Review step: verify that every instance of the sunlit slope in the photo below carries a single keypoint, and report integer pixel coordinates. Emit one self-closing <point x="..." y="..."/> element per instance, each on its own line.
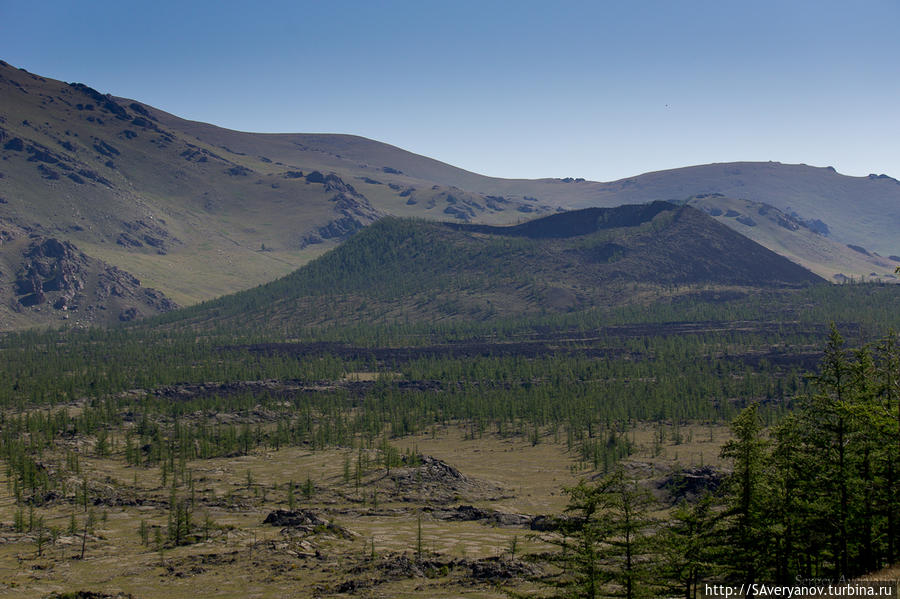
<point x="861" y="211"/>
<point x="802" y="241"/>
<point x="191" y="217"/>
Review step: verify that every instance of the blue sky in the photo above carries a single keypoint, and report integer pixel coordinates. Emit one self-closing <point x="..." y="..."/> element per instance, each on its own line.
<point x="601" y="90"/>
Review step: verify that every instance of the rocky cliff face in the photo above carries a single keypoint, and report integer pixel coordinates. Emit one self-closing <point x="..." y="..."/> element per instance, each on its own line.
<point x="51" y="269"/>
<point x="352" y="210"/>
<point x="44" y="279"/>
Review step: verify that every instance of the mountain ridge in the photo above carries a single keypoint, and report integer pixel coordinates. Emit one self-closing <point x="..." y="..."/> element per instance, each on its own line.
<point x="197" y="211"/>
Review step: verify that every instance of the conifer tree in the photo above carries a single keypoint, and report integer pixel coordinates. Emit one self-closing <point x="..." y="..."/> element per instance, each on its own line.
<point x="603" y="540"/>
<point x="746" y="526"/>
<point x="687" y="546"/>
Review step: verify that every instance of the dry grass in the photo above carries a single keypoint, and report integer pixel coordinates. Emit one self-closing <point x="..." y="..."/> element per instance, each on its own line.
<point x="246" y="558"/>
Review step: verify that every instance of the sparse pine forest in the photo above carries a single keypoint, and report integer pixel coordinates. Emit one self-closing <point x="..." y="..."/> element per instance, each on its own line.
<point x="806" y="486"/>
<point x="810" y="499"/>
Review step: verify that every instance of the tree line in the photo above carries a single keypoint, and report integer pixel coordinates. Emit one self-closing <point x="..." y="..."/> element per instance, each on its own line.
<point x="809" y="499"/>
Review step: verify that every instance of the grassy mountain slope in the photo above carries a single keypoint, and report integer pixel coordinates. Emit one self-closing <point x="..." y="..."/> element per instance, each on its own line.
<point x="799" y="240"/>
<point x="102" y="175"/>
<point x="405" y="270"/>
<point x="857" y="210"/>
<point x="198" y="211"/>
<point x="191" y="218"/>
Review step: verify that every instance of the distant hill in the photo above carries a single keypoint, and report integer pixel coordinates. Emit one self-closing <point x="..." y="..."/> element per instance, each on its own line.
<point x="191" y="217"/>
<point x="414" y="271"/>
<point x="196" y="211"/>
<point x="803" y="241"/>
<point x="862" y="211"/>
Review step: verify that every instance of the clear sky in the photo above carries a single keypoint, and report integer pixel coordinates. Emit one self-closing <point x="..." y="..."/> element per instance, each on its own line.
<point x="601" y="90"/>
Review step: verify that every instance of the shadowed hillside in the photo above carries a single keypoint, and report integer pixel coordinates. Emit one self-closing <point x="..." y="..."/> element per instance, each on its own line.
<point x="575" y="223"/>
<point x="403" y="270"/>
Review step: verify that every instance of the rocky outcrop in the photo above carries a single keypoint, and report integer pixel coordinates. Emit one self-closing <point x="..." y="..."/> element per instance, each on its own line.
<point x="690" y="483"/>
<point x="305" y="522"/>
<point x="469" y="513"/>
<point x="353" y="211"/>
<point x="374" y="572"/>
<point x="53" y="274"/>
<point x="140" y="234"/>
<point x="422" y="476"/>
<point x="50" y="266"/>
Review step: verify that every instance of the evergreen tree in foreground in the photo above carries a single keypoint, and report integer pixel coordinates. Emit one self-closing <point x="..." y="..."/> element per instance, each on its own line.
<point x="604" y="541"/>
<point x="814" y="497"/>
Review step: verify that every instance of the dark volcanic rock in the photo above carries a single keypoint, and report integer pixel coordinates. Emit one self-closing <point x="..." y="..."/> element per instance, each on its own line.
<point x="396" y="566"/>
<point x="106" y="149"/>
<point x="460" y="212"/>
<point x="817" y="226"/>
<point x="15" y="144"/>
<point x="126" y="240"/>
<point x="305" y="522"/>
<point x="334" y="183"/>
<point x="689" y="484"/>
<point x="55" y="272"/>
<point x="430" y="479"/>
<point x="340" y="227"/>
<point x="41" y="155"/>
<point x="238" y="171"/>
<point x="544" y="523"/>
<point x="89" y="174"/>
<point x="140" y="109"/>
<point x="788" y="223"/>
<point x="48" y="173"/>
<point x="315" y="177"/>
<point x="89" y="595"/>
<point x="294" y="518"/>
<point x="147" y="232"/>
<point x="354" y="212"/>
<point x="143" y="123"/>
<point x="50" y="266"/>
<point x="468" y="513"/>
